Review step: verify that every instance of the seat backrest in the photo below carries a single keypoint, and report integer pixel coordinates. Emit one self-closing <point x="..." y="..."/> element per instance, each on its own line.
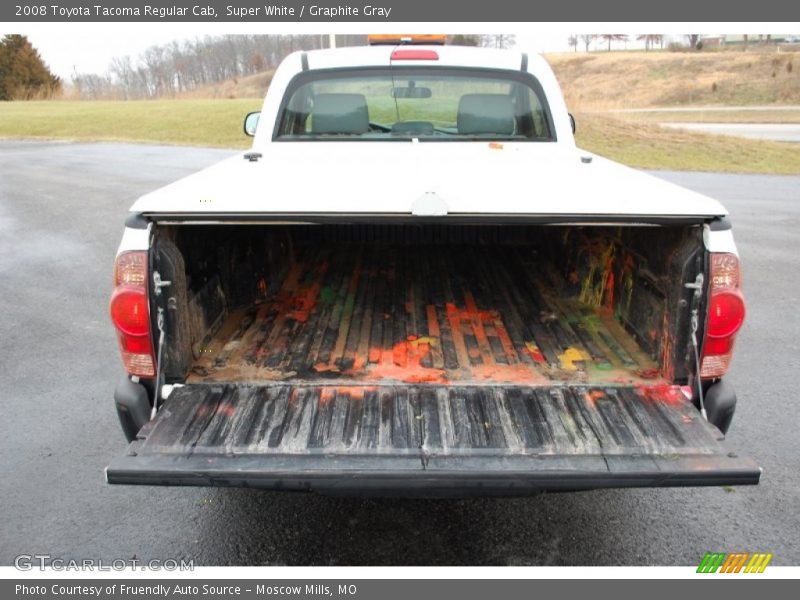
<point x="413" y="127"/>
<point x="340" y="113"/>
<point x="485" y="113"/>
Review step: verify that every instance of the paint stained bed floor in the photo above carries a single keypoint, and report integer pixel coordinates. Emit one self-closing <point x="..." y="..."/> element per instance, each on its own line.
<point x="369" y="313"/>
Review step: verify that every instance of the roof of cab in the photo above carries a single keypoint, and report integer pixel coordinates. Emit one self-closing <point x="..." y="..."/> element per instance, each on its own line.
<point x="449" y="56"/>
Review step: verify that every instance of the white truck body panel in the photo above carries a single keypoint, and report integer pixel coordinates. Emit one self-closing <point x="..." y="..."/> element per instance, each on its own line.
<point x="391" y="177"/>
<point x="387" y="178"/>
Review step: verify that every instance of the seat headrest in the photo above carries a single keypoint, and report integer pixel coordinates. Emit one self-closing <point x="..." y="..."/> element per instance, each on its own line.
<point x="485" y="113"/>
<point x="340" y="113"/>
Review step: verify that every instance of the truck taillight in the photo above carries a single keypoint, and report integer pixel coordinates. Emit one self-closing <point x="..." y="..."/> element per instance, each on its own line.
<point x="726" y="311"/>
<point x="131" y="315"/>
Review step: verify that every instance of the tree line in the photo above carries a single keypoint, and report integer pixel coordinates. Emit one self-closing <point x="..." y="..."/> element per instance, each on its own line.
<point x="650" y="40"/>
<point x="171" y="69"/>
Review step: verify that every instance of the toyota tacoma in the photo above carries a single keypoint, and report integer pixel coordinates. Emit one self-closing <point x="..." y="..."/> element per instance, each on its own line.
<point x="414" y="283"/>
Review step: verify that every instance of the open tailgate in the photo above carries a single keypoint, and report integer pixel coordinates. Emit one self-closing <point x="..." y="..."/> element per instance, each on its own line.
<point x="429" y="439"/>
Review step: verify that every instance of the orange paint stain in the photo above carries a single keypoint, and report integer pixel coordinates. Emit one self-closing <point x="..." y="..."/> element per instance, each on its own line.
<point x="375" y="354"/>
<point x="404" y="362"/>
<point x="354" y="392"/>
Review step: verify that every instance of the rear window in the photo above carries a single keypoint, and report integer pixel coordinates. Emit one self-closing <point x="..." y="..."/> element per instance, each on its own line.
<point x="421" y="103"/>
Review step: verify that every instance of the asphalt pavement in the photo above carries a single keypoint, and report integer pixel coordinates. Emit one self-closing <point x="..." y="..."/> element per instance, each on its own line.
<point x="62" y="208"/>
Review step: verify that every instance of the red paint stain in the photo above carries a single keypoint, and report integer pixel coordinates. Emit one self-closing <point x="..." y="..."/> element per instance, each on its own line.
<point x="226" y="410"/>
<point x="534" y="352"/>
<point x="609" y="299"/>
<point x="661" y="392"/>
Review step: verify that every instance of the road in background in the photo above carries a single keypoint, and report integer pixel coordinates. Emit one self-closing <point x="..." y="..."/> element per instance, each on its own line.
<point x="778" y="108"/>
<point x="777" y="132"/>
<point x="62" y="208"/>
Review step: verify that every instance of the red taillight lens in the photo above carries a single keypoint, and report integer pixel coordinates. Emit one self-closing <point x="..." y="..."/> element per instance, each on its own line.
<point x="131" y="315"/>
<point x="726" y="312"/>
<point x="129" y="310"/>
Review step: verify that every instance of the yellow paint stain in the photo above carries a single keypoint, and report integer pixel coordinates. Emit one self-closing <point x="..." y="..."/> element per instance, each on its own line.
<point x="431" y="341"/>
<point x="570" y="356"/>
<point x="601" y="265"/>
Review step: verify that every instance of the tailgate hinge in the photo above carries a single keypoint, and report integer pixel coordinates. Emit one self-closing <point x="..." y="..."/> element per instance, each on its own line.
<point x="697" y="286"/>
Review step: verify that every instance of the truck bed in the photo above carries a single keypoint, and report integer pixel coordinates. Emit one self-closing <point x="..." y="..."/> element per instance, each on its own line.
<point x="428" y="361"/>
<point x="421" y="314"/>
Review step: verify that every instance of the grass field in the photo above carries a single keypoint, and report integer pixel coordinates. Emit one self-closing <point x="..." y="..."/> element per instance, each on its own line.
<point x="647" y="145"/>
<point x="187" y="122"/>
<point x="206" y="122"/>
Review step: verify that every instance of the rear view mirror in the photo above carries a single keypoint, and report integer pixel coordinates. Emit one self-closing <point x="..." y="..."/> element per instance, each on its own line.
<point x="412" y="91"/>
<point x="251" y="123"/>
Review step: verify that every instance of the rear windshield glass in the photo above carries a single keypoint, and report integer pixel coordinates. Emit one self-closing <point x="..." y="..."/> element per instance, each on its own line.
<point x="427" y="104"/>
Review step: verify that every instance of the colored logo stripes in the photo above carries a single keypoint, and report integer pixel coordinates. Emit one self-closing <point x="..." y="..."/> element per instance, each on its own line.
<point x="738" y="562"/>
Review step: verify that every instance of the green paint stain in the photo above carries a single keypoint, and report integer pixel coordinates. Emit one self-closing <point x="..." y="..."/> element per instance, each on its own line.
<point x="327" y="294"/>
<point x="350" y="302"/>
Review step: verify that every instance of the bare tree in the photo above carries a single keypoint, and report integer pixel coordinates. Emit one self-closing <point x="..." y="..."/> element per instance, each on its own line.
<point x="614" y="37"/>
<point x="693" y="39"/>
<point x="499" y="40"/>
<point x="587" y="39"/>
<point x="650" y="40"/>
<point x="573" y="42"/>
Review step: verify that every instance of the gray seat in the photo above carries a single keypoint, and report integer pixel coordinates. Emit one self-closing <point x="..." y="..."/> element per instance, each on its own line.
<point x="485" y="113"/>
<point x="340" y="113"/>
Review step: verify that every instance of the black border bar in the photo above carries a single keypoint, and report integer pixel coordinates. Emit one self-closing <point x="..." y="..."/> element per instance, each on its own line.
<point x="388" y="11"/>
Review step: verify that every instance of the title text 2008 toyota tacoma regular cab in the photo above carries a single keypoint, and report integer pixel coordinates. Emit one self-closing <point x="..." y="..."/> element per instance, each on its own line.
<point x="415" y="283"/>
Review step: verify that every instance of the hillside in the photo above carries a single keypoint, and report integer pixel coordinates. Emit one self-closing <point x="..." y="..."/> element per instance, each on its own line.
<point x="251" y="86"/>
<point x="603" y="80"/>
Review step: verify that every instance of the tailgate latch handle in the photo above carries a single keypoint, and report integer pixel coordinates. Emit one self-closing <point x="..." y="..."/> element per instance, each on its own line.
<point x="159" y="283"/>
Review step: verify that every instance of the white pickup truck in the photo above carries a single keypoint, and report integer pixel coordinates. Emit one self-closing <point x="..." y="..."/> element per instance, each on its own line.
<point x="415" y="283"/>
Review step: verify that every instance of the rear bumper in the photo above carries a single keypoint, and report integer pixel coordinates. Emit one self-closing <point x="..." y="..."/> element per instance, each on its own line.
<point x="429" y="440"/>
